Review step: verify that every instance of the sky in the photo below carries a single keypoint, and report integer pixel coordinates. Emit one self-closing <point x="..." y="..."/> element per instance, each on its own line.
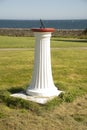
<point x="43" y="9"/>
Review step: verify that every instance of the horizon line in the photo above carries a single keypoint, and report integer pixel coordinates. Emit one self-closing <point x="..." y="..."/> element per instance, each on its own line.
<point x="46" y="19"/>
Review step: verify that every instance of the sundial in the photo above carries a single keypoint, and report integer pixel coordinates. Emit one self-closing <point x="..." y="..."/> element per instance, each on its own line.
<point x="42" y="24"/>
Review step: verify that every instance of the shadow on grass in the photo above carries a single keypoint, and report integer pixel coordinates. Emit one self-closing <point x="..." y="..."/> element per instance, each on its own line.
<point x="16" y="90"/>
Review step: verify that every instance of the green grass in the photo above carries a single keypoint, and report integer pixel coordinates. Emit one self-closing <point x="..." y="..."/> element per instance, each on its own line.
<point x="29" y="42"/>
<point x="16" y="42"/>
<point x="69" y="67"/>
<point x="68" y="42"/>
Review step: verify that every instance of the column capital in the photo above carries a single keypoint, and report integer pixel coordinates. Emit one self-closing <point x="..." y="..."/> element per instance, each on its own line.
<point x="43" y="29"/>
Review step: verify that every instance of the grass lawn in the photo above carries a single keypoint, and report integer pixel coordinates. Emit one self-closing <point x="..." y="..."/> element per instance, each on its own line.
<point x="29" y="42"/>
<point x="69" y="67"/>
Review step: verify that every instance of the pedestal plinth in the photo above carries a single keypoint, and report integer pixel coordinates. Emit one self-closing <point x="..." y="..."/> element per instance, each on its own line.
<point x="42" y="84"/>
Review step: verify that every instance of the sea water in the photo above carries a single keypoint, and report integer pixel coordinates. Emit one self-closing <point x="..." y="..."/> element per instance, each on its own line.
<point x="58" y="24"/>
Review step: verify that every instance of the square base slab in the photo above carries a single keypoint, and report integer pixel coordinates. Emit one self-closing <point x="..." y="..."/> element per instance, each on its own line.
<point x="40" y="100"/>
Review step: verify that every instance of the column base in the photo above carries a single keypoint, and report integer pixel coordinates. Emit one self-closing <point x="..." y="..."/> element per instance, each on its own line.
<point x="47" y="92"/>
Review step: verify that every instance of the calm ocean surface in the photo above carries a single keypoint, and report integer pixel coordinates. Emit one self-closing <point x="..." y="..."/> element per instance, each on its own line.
<point x="58" y="24"/>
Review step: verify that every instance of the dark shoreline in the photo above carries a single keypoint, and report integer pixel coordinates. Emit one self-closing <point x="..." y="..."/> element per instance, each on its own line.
<point x="28" y="33"/>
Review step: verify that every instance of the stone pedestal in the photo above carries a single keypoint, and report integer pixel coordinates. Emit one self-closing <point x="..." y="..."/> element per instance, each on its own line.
<point x="42" y="84"/>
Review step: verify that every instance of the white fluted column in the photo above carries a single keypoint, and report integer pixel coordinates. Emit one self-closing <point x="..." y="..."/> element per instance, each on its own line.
<point x="42" y="84"/>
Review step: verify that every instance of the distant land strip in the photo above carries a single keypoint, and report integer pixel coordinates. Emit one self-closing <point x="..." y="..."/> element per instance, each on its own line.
<point x="28" y="33"/>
